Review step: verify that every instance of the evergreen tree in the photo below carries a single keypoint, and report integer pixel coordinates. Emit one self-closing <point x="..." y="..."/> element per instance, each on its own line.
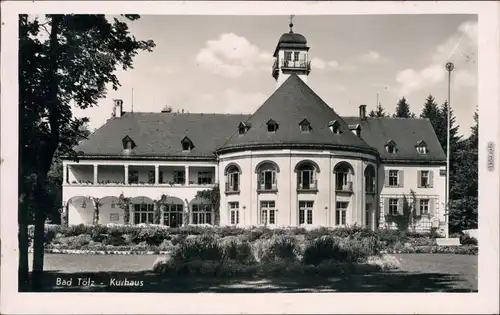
<point x="403" y="109"/>
<point x="379" y="112"/>
<point x="455" y="139"/>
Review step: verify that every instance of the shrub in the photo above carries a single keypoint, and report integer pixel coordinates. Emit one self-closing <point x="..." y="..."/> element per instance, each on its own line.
<point x="465" y="239"/>
<point x="282" y="247"/>
<point x="335" y="248"/>
<point x="237" y="250"/>
<point x="204" y="247"/>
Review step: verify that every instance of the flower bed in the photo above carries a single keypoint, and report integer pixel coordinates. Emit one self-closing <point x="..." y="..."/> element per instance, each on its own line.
<point x="156" y="238"/>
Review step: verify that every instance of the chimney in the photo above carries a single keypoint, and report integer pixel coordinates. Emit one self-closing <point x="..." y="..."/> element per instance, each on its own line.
<point x="117" y="108"/>
<point x="166" y="109"/>
<point x="362" y="112"/>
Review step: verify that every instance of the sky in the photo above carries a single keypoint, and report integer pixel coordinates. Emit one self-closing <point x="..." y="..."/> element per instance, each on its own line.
<point x="222" y="64"/>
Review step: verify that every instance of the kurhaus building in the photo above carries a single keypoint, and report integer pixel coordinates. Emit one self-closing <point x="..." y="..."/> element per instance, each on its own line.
<point x="294" y="162"/>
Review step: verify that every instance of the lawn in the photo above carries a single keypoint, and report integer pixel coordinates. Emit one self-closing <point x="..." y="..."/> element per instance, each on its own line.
<point x="418" y="273"/>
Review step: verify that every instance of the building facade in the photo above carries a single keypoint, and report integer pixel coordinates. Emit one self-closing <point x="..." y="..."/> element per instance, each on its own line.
<point x="294" y="162"/>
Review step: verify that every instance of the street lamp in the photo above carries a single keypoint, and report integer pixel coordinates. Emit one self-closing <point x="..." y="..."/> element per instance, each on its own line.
<point x="449" y="67"/>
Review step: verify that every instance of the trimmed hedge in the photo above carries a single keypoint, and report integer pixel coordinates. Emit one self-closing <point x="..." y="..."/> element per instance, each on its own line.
<point x="161" y="238"/>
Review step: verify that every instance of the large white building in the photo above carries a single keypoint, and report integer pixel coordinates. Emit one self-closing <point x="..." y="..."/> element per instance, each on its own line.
<point x="294" y="162"/>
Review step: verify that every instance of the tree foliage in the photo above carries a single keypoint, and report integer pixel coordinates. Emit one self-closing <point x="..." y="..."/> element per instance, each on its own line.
<point x="403" y="109"/>
<point x="379" y="112"/>
<point x="64" y="61"/>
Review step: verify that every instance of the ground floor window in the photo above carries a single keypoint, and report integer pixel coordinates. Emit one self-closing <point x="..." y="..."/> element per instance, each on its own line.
<point x="341" y="212"/>
<point x="234" y="212"/>
<point x="424" y="206"/>
<point x="202" y="214"/>
<point x="172" y="215"/>
<point x="143" y="213"/>
<point x="393" y="206"/>
<point x="267" y="212"/>
<point x="306" y="212"/>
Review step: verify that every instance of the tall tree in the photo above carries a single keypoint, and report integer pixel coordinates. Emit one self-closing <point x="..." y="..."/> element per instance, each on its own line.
<point x="74" y="63"/>
<point x="463" y="208"/>
<point x="379" y="112"/>
<point x="403" y="109"/>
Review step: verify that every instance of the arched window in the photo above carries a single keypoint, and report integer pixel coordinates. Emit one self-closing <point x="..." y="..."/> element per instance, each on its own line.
<point x="370" y="179"/>
<point x="267" y="176"/>
<point x="232" y="173"/>
<point x="343" y="177"/>
<point x="306" y="175"/>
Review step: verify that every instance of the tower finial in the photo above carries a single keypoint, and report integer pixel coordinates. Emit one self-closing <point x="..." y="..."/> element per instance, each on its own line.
<point x="291" y="23"/>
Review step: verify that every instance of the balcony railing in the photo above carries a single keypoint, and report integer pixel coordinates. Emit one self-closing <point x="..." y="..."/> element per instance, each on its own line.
<point x="266" y="188"/>
<point x="289" y="64"/>
<point x="345" y="187"/>
<point x="232" y="189"/>
<point x="312" y="186"/>
<point x="139" y="183"/>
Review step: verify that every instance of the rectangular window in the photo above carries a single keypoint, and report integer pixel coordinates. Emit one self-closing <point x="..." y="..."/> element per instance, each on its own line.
<point x="202" y="214"/>
<point x="369" y="183"/>
<point x="341" y="181"/>
<point x="204" y="178"/>
<point x="306" y="179"/>
<point x="341" y="212"/>
<point x="424" y="178"/>
<point x="179" y="177"/>
<point x="268" y="180"/>
<point x="296" y="56"/>
<point x="288" y="56"/>
<point x="267" y="212"/>
<point x="143" y="213"/>
<point x="306" y="212"/>
<point x="151" y="177"/>
<point x="234" y="212"/>
<point x="424" y="206"/>
<point x="133" y="177"/>
<point x="393" y="177"/>
<point x="393" y="206"/>
<point x="233" y="182"/>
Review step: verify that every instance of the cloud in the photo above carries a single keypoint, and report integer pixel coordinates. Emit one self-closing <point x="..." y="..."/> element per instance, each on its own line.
<point x="232" y="55"/>
<point x="330" y="65"/>
<point x="460" y="49"/>
<point x="370" y="57"/>
<point x="228" y="101"/>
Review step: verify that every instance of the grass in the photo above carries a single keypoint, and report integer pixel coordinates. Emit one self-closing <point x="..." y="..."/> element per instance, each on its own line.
<point x="418" y="273"/>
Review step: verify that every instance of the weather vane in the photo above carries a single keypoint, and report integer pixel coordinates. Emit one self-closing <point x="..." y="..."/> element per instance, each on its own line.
<point x="291" y="23"/>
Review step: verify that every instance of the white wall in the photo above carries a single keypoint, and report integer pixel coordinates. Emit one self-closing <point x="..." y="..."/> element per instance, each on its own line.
<point x="287" y="198"/>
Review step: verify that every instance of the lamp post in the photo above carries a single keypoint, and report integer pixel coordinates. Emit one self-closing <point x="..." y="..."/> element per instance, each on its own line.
<point x="449" y="67"/>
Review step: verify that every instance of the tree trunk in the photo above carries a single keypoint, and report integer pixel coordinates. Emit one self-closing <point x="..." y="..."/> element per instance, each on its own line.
<point x="38" y="249"/>
<point x="23" y="271"/>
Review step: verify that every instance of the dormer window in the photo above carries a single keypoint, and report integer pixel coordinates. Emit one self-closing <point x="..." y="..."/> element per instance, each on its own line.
<point x="356" y="129"/>
<point x="128" y="143"/>
<point x="334" y="127"/>
<point x="187" y="144"/>
<point x="242" y="128"/>
<point x="272" y="125"/>
<point x="305" y="126"/>
<point x="421" y="147"/>
<point x="391" y="147"/>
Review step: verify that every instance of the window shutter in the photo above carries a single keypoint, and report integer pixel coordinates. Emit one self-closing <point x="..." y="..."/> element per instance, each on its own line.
<point x="431" y="207"/>
<point x="419" y="179"/>
<point x="386" y="206"/>
<point x="386" y="179"/>
<point x="299" y="179"/>
<point x="274" y="177"/>
<point x="401" y="205"/>
<point x="417" y="206"/>
<point x="401" y="178"/>
<point x="431" y="179"/>
<point x="261" y="180"/>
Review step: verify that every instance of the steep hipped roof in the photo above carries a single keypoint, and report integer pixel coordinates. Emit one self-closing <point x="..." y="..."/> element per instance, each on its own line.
<point x="291" y="40"/>
<point x="405" y="133"/>
<point x="288" y="106"/>
<point x="161" y="135"/>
